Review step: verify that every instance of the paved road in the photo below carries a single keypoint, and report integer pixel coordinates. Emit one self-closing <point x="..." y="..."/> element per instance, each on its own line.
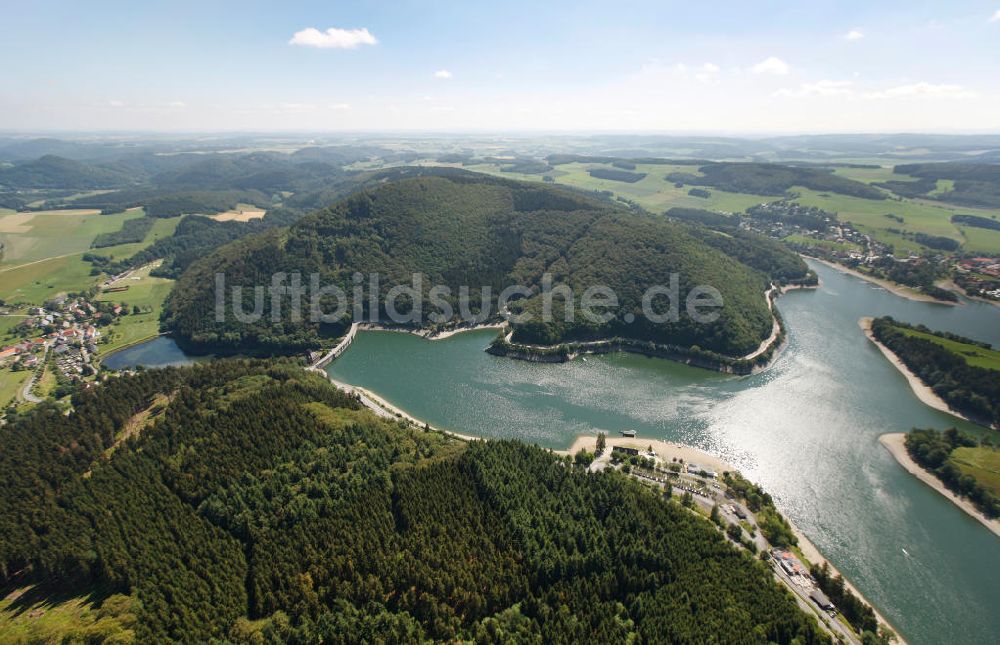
<point x="26" y="393"/>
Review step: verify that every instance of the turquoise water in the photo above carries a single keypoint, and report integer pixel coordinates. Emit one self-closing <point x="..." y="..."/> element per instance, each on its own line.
<point x="806" y="429"/>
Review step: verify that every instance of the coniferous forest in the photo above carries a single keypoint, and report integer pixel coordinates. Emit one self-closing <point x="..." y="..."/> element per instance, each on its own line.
<point x="250" y="500"/>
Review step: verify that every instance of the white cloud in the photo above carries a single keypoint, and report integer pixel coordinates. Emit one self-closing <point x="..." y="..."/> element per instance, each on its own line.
<point x="443" y="73"/>
<point x="922" y="89"/>
<point x="819" y="88"/>
<point x="772" y="65"/>
<point x="178" y="104"/>
<point x="996" y="16"/>
<point x="706" y="73"/>
<point x="340" y="106"/>
<point x="333" y="38"/>
<point x="115" y="103"/>
<point x="854" y="34"/>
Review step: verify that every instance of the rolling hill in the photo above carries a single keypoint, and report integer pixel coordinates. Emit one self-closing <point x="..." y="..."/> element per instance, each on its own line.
<point x="457" y="228"/>
<point x="250" y="501"/>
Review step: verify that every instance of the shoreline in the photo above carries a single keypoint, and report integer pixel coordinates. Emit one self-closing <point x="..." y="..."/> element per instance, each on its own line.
<point x="894" y="442"/>
<point x="897" y="289"/>
<point x="813" y="555"/>
<point x="919" y="388"/>
<point x="663" y="449"/>
<point x="745" y="365"/>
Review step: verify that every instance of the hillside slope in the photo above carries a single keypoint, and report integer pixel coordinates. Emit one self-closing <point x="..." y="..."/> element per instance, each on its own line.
<point x="484" y="233"/>
<point x="254" y="500"/>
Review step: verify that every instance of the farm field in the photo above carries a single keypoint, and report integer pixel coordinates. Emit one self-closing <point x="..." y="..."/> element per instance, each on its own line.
<point x="973" y="354"/>
<point x="980" y="240"/>
<point x="982" y="462"/>
<point x="919" y="216"/>
<point x="242" y="213"/>
<point x="28" y="236"/>
<point x="653" y="192"/>
<point x="34" y="282"/>
<point x="871" y="175"/>
<point x="10" y="383"/>
<point x="656" y="194"/>
<point x="147" y="293"/>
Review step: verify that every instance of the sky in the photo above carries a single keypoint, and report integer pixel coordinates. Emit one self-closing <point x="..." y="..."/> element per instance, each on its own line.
<point x="759" y="67"/>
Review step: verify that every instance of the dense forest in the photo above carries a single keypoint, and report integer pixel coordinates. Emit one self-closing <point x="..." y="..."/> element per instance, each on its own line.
<point x="974" y="184"/>
<point x="460" y="229"/>
<point x="614" y="174"/>
<point x="977" y="221"/>
<point x="773" y="179"/>
<point x="132" y="230"/>
<point x="932" y="450"/>
<point x="973" y="391"/>
<point x="248" y="500"/>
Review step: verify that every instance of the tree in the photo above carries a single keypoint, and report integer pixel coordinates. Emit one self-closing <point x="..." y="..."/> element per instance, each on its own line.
<point x="602" y="440"/>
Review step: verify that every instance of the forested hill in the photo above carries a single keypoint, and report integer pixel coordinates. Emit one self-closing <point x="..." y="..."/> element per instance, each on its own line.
<point x="467" y="229"/>
<point x="253" y="502"/>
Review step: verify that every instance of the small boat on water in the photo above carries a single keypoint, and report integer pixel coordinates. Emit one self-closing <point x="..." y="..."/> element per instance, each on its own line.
<point x="905" y="552"/>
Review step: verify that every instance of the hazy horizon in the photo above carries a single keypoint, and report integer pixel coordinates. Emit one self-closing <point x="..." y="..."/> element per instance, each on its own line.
<point x="641" y="67"/>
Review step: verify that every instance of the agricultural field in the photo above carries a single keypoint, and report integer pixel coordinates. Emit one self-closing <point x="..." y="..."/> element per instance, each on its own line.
<point x="37" y="280"/>
<point x="919" y="216"/>
<point x="871" y="175"/>
<point x="242" y="213"/>
<point x="31" y="236"/>
<point x="656" y="194"/>
<point x="974" y="355"/>
<point x="653" y="192"/>
<point x="10" y="383"/>
<point x="145" y="292"/>
<point x="982" y="462"/>
<point x="980" y="240"/>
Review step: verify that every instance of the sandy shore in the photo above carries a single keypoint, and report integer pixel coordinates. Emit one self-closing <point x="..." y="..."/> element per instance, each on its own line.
<point x="895" y="444"/>
<point x="898" y="289"/>
<point x="663" y="449"/>
<point x="923" y="392"/>
<point x="813" y="555"/>
<point x="797" y="287"/>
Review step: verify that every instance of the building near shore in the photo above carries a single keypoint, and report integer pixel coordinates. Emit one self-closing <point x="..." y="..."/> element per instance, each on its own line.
<point x="821" y="600"/>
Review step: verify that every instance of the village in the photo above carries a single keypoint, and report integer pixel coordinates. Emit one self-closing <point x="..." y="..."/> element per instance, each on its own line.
<point x="68" y="328"/>
<point x="818" y="233"/>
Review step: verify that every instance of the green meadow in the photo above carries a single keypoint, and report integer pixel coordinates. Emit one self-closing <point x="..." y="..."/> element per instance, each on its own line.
<point x="47" y="234"/>
<point x="10" y="383"/>
<point x="37" y="280"/>
<point x="981" y="462"/>
<point x="653" y="192"/>
<point x="656" y="194"/>
<point x="147" y="293"/>
<point x="973" y="354"/>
